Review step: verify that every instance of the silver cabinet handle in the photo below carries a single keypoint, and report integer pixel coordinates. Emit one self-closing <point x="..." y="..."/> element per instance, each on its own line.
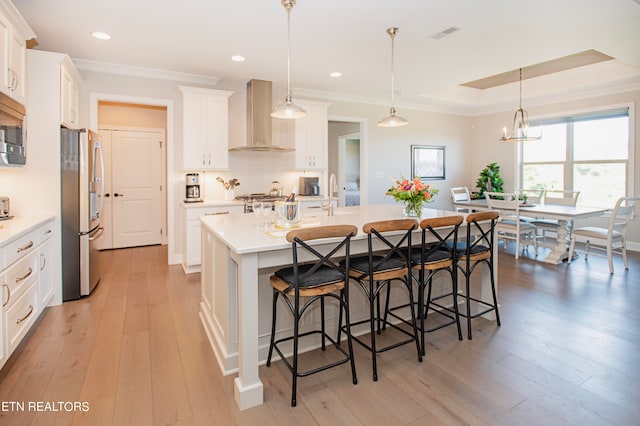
<point x="215" y="214"/>
<point x="43" y="261"/>
<point x="18" y="321"/>
<point x="25" y="276"/>
<point x="47" y="232"/>
<point x="26" y="246"/>
<point x="8" y="294"/>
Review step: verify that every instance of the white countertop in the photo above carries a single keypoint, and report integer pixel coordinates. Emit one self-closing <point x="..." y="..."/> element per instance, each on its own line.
<point x="241" y="233"/>
<point x="13" y="229"/>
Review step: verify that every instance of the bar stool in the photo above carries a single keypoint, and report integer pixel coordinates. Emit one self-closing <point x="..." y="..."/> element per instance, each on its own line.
<point x="316" y="279"/>
<point x="435" y="254"/>
<point x="476" y="250"/>
<point x="378" y="270"/>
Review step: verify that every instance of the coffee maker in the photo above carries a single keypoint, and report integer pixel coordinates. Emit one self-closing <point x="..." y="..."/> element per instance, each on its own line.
<point x="193" y="188"/>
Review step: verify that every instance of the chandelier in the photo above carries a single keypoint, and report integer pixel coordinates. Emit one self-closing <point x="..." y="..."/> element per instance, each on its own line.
<point x="520" y="128"/>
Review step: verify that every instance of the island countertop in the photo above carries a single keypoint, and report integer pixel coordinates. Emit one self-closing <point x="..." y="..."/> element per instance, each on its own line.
<point x="242" y="235"/>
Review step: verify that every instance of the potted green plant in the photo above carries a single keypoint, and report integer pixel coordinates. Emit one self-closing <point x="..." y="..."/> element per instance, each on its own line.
<point x="489" y="180"/>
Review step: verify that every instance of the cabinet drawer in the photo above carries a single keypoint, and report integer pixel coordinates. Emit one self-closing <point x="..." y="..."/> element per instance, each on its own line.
<point x="21" y="247"/>
<point x="44" y="232"/>
<point x="20" y="316"/>
<point x="19" y="276"/>
<point x="194" y="214"/>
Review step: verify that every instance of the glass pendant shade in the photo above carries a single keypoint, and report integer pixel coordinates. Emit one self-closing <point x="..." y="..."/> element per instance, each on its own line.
<point x="520" y="128"/>
<point x="287" y="109"/>
<point x="392" y="120"/>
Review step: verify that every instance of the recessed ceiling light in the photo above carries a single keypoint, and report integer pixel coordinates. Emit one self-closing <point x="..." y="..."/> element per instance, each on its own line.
<point x="335" y="74"/>
<point x="238" y="58"/>
<point x="100" y="35"/>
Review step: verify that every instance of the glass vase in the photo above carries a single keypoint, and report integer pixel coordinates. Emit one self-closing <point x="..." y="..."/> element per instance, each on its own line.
<point x="413" y="208"/>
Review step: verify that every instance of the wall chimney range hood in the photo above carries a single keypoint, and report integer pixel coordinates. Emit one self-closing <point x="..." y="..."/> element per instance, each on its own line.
<point x="259" y="119"/>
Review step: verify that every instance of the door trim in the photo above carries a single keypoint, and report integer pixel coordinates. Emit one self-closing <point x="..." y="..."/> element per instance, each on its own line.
<point x="94" y="99"/>
<point x="364" y="150"/>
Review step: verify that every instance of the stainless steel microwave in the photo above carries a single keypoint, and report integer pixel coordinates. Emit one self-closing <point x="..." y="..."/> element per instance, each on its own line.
<point x="13" y="149"/>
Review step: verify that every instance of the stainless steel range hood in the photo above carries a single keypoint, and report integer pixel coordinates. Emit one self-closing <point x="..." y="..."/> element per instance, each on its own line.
<point x="259" y="119"/>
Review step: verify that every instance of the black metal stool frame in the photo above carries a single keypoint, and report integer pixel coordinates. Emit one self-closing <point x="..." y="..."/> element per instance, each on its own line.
<point x="375" y="285"/>
<point x="433" y="257"/>
<point x="297" y="311"/>
<point x="477" y="251"/>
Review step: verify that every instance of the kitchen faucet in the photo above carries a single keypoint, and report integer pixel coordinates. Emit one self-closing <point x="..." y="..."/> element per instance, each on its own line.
<point x="333" y="187"/>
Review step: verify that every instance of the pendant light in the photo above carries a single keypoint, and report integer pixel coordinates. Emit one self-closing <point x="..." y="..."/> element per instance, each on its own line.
<point x="520" y="129"/>
<point x="392" y="120"/>
<point x="286" y="108"/>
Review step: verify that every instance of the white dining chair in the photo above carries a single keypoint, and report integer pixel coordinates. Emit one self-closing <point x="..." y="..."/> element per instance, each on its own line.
<point x="460" y="194"/>
<point x="510" y="226"/>
<point x="611" y="239"/>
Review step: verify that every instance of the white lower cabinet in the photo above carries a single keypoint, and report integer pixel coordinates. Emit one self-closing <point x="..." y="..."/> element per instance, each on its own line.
<point x="21" y="316"/>
<point x="315" y="206"/>
<point x="3" y="349"/>
<point x="191" y="253"/>
<point x="28" y="282"/>
<point x="46" y="272"/>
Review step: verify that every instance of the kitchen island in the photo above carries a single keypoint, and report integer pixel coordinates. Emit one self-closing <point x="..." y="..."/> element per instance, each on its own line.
<point x="237" y="258"/>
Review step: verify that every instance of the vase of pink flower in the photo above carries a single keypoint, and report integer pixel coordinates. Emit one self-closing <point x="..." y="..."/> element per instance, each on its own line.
<point x="413" y="193"/>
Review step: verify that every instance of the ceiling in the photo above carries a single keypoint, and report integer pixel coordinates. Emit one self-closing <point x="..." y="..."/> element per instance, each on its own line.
<point x="495" y="36"/>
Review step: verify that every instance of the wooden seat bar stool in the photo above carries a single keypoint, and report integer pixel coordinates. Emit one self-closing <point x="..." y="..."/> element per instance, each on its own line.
<point x="477" y="250"/>
<point x="386" y="263"/>
<point x="316" y="279"/>
<point x="435" y="254"/>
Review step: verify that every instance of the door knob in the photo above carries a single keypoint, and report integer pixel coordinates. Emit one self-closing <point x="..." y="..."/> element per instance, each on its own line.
<point x="115" y="194"/>
<point x="107" y="195"/>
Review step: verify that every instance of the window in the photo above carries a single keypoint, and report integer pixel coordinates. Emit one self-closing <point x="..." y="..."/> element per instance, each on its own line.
<point x="587" y="153"/>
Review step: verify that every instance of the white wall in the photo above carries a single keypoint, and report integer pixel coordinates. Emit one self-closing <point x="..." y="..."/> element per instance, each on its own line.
<point x="389" y="149"/>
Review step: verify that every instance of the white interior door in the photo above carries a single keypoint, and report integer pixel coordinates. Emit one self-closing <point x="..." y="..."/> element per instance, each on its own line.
<point x="136" y="183"/>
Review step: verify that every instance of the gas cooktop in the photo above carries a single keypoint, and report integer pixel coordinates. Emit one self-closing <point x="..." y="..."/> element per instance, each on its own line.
<point x="259" y="197"/>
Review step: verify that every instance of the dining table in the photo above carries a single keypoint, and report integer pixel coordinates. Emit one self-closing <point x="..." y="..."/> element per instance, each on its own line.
<point x="238" y="256"/>
<point x="565" y="215"/>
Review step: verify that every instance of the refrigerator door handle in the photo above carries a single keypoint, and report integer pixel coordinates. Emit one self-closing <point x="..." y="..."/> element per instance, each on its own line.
<point x="97" y="234"/>
<point x="98" y="154"/>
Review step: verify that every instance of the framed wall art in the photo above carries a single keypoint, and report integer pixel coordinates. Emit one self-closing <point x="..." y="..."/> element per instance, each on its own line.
<point x="427" y="162"/>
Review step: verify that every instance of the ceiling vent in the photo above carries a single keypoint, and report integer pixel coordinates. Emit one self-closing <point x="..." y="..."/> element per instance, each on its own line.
<point x="443" y="34"/>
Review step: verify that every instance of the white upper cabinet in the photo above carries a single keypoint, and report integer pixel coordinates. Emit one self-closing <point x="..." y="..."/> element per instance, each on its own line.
<point x="205" y="124"/>
<point x="14" y="32"/>
<point x="311" y="136"/>
<point x="69" y="99"/>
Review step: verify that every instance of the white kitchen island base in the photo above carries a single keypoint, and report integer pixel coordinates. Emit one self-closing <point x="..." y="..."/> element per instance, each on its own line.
<point x="235" y="309"/>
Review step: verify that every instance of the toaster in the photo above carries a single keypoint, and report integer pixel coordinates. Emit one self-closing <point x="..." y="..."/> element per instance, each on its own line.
<point x="4" y="208"/>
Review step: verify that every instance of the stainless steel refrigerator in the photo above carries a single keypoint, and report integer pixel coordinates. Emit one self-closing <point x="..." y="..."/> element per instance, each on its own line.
<point x="82" y="191"/>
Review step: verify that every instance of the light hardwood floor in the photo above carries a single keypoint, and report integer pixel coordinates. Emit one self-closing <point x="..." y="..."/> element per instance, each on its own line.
<point x="568" y="352"/>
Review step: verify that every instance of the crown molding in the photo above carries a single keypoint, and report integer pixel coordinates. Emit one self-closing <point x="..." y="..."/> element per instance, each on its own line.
<point x="475" y="110"/>
<point x="158" y="74"/>
<point x="563" y="97"/>
<point x="434" y="106"/>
